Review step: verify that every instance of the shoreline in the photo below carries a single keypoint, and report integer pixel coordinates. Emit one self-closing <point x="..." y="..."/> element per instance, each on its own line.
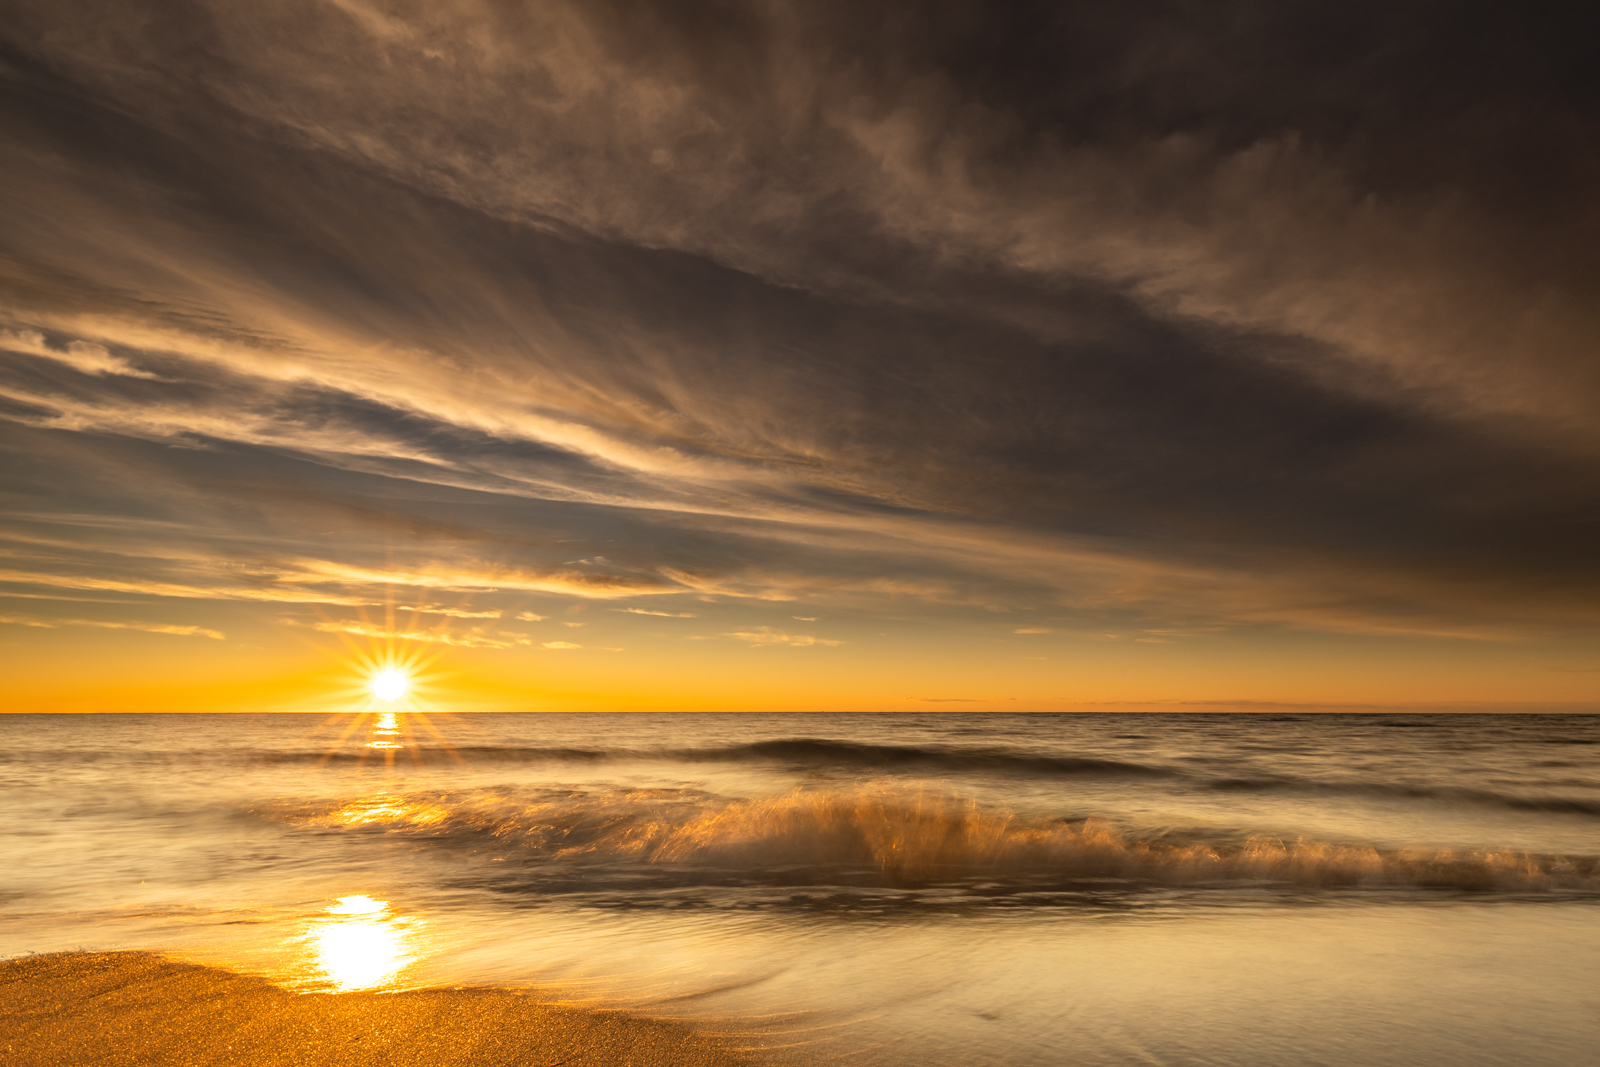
<point x="138" y="1008"/>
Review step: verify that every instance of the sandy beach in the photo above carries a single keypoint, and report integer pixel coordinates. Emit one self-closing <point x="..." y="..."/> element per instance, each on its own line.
<point x="134" y="1008"/>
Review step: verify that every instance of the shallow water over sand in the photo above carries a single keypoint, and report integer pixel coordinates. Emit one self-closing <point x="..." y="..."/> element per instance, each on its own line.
<point x="880" y="889"/>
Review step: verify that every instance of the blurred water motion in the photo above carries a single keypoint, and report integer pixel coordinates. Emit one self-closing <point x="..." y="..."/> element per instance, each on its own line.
<point x="888" y="891"/>
<point x="359" y="944"/>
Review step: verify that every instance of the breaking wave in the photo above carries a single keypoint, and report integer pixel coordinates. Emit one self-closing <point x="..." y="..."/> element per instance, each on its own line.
<point x="902" y="838"/>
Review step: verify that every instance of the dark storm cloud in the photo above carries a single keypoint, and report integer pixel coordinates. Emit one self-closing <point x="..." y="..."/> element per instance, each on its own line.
<point x="1197" y="314"/>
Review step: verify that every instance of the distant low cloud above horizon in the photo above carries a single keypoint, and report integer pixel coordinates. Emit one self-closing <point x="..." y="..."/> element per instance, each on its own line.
<point x="982" y="333"/>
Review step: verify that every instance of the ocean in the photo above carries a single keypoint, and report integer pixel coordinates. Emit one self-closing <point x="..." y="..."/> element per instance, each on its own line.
<point x="895" y="890"/>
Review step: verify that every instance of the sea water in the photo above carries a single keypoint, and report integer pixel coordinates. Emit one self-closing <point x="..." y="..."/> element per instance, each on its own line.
<point x="891" y="890"/>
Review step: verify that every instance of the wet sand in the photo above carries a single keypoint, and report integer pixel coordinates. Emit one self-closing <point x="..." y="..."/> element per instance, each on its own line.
<point x="133" y="1008"/>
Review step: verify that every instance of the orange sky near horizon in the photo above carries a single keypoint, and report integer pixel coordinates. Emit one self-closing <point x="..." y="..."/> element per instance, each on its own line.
<point x="902" y="667"/>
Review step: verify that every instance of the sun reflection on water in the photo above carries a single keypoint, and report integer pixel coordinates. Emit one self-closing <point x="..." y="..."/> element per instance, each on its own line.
<point x="358" y="943"/>
<point x="385" y="807"/>
<point x="384" y="732"/>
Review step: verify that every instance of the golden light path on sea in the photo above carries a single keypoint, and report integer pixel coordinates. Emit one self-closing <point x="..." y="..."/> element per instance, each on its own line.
<point x="359" y="942"/>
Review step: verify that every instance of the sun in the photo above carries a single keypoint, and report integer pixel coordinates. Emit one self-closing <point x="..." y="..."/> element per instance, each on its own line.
<point x="390" y="684"/>
<point x="390" y="688"/>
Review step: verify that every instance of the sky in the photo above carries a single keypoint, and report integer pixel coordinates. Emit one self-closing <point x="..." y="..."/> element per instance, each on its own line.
<point x="856" y="355"/>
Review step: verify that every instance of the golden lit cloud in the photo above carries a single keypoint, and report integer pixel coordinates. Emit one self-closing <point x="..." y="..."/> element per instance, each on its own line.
<point x="146" y="627"/>
<point x="83" y="356"/>
<point x="475" y="637"/>
<point x="765" y="635"/>
<point x="455" y="613"/>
